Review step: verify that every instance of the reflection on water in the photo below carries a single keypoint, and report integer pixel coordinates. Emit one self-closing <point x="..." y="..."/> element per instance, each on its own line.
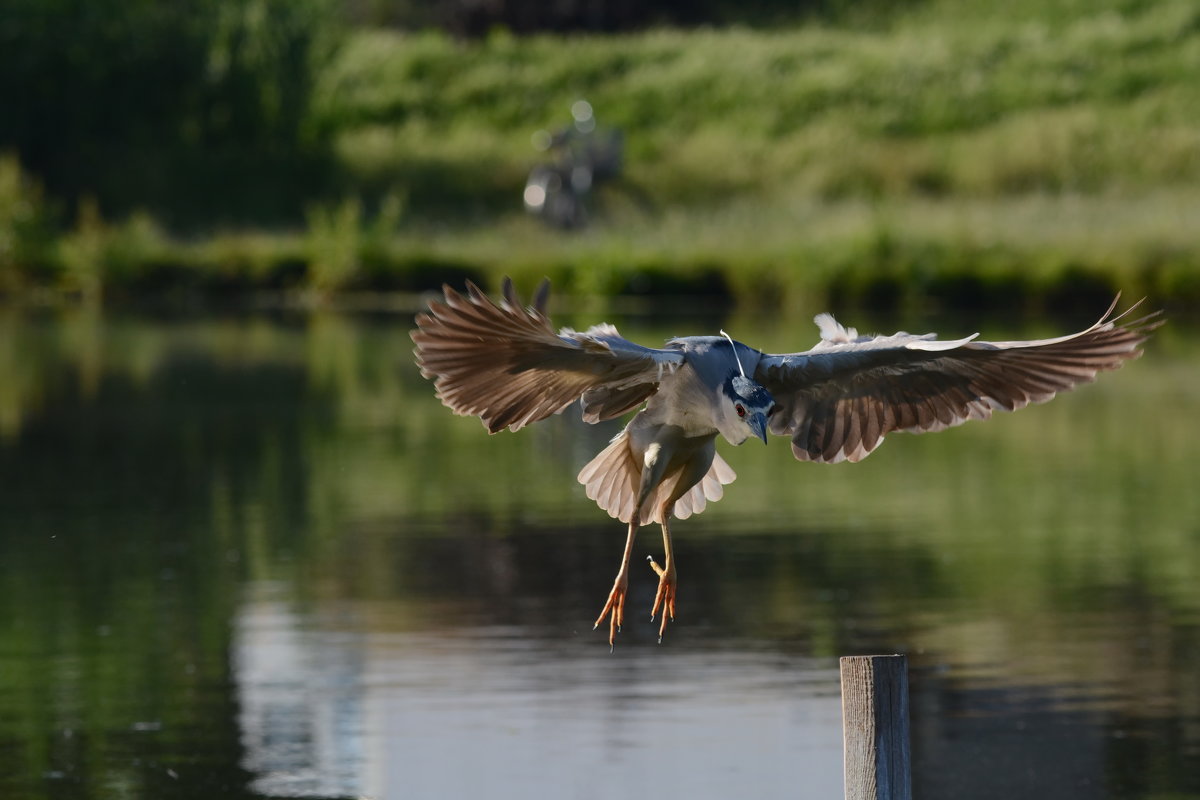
<point x="252" y="556"/>
<point x="302" y="702"/>
<point x="487" y="712"/>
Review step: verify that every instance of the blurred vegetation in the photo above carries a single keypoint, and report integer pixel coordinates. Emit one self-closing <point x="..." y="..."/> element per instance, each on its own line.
<point x="197" y="110"/>
<point x="976" y="153"/>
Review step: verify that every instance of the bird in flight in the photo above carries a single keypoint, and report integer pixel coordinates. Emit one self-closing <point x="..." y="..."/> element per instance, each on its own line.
<point x="504" y="363"/>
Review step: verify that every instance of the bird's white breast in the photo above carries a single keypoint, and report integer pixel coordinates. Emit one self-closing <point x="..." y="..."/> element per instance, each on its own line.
<point x="684" y="401"/>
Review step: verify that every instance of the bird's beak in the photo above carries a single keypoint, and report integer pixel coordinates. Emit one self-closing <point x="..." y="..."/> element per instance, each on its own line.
<point x="758" y="424"/>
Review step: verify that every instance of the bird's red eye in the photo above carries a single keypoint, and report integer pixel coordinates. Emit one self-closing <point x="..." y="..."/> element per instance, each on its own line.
<point x="741" y="410"/>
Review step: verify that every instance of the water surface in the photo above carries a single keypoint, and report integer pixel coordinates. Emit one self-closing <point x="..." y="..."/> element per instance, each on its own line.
<point x="250" y="556"/>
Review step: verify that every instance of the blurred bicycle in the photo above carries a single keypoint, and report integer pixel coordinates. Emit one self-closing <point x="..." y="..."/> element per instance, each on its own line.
<point x="583" y="157"/>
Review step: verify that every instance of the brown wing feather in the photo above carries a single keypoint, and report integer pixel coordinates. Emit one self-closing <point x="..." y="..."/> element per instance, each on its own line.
<point x="838" y="401"/>
<point x="503" y="363"/>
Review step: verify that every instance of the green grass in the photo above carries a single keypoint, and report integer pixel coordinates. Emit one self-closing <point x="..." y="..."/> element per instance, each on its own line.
<point x="948" y="101"/>
<point x="959" y="150"/>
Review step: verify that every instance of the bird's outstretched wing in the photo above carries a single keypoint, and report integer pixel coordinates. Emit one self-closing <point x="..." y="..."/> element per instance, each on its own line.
<point x="504" y="363"/>
<point x="838" y="400"/>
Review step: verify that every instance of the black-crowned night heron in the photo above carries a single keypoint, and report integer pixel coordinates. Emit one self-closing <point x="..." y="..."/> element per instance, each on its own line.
<point x="505" y="364"/>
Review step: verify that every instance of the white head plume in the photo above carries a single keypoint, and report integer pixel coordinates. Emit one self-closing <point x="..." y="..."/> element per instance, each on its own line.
<point x="735" y="353"/>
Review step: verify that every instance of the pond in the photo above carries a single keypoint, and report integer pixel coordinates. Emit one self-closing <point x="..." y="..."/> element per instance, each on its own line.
<point x="250" y="555"/>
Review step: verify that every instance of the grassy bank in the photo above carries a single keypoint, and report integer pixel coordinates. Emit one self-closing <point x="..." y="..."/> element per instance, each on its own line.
<point x="972" y="152"/>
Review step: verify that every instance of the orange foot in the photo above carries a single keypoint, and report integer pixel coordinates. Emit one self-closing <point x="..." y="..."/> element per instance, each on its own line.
<point x="665" y="598"/>
<point x="614" y="608"/>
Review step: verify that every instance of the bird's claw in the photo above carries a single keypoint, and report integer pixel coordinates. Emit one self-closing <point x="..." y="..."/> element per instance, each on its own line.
<point x="614" y="610"/>
<point x="665" y="597"/>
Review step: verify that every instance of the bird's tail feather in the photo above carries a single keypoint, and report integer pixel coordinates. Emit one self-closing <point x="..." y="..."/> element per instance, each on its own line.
<point x="711" y="487"/>
<point x="612" y="479"/>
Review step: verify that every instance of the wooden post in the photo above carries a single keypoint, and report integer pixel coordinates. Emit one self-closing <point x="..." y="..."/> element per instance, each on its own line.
<point x="875" y="727"/>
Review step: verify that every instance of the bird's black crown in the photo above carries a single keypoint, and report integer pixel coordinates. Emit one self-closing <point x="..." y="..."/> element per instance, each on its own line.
<point x="755" y="395"/>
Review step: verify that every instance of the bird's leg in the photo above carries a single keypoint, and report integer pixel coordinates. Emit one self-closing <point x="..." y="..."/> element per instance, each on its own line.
<point x="665" y="597"/>
<point x="614" y="608"/>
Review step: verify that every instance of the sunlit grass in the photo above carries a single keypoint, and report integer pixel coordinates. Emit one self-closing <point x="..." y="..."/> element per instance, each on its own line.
<point x="967" y="138"/>
<point x="955" y="144"/>
<point x="1070" y="101"/>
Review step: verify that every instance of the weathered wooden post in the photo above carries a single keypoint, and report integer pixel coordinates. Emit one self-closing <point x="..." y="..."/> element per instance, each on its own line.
<point x="875" y="727"/>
